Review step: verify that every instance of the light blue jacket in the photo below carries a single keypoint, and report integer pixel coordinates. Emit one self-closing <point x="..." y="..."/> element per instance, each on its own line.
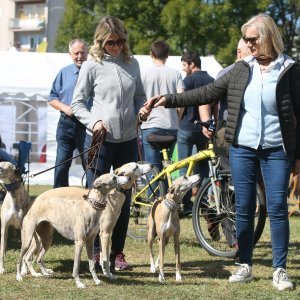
<point x="117" y="93"/>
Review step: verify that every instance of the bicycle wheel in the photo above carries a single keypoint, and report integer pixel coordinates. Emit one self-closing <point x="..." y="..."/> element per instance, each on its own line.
<point x="143" y="195"/>
<point x="217" y="233"/>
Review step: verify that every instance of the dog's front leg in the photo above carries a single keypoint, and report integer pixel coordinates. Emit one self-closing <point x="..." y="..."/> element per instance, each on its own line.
<point x="78" y="250"/>
<point x="162" y="247"/>
<point x="89" y="251"/>
<point x="4" y="231"/>
<point x="177" y="256"/>
<point x="150" y="244"/>
<point x="105" y="238"/>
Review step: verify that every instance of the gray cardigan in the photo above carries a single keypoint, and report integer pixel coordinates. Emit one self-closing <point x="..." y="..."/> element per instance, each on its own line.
<point x="117" y="95"/>
<point x="232" y="86"/>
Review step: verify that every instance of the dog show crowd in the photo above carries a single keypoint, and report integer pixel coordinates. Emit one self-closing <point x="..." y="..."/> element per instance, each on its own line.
<point x="102" y="96"/>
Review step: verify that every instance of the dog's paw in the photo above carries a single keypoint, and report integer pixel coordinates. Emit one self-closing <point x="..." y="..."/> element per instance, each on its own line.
<point x="97" y="281"/>
<point x="161" y="277"/>
<point x="37" y="274"/>
<point x="19" y="277"/>
<point x="49" y="271"/>
<point x="24" y="272"/>
<point x="80" y="285"/>
<point x="178" y="277"/>
<point x="152" y="269"/>
<point x="2" y="271"/>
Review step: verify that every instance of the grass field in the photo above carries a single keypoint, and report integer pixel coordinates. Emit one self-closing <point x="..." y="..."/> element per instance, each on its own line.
<point x="204" y="276"/>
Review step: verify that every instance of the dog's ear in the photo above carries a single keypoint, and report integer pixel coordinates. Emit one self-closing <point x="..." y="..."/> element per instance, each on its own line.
<point x="119" y="172"/>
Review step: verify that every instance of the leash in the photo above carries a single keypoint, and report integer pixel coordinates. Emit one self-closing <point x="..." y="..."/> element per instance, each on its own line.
<point x="95" y="143"/>
<point x="98" y="138"/>
<point x="139" y="145"/>
<point x="139" y="142"/>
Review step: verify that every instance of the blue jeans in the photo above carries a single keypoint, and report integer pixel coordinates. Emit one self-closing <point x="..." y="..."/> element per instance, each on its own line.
<point x="152" y="155"/>
<point x="70" y="135"/>
<point x="185" y="141"/>
<point x="113" y="155"/>
<point x="275" y="168"/>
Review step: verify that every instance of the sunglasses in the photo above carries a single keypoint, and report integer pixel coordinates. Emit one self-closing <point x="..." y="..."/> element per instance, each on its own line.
<point x="251" y="40"/>
<point x="111" y="43"/>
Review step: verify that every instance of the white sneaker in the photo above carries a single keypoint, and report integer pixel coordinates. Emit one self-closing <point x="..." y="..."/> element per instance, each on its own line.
<point x="242" y="274"/>
<point x="281" y="280"/>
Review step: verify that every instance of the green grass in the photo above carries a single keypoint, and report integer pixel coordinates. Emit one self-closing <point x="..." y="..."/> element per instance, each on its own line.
<point x="204" y="276"/>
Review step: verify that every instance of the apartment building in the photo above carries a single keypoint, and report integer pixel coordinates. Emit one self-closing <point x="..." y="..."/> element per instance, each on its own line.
<point x="29" y="25"/>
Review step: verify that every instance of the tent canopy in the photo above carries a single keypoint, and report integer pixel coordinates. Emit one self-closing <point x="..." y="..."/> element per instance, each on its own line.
<point x="29" y="75"/>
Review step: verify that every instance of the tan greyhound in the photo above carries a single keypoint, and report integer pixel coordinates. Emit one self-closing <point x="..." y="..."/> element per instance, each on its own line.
<point x="15" y="205"/>
<point x="74" y="214"/>
<point x="163" y="221"/>
<point x="112" y="210"/>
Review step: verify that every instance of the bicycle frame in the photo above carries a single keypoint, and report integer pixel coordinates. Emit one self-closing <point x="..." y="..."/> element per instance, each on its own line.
<point x="187" y="162"/>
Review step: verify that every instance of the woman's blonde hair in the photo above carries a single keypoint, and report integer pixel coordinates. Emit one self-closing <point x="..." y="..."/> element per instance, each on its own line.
<point x="270" y="38"/>
<point x="108" y="25"/>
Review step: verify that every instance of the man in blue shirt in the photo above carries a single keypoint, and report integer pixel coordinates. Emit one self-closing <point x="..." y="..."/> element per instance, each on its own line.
<point x="70" y="133"/>
<point x="190" y="134"/>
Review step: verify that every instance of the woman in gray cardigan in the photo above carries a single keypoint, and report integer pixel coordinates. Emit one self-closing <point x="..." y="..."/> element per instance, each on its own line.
<point x="263" y="128"/>
<point x="112" y="79"/>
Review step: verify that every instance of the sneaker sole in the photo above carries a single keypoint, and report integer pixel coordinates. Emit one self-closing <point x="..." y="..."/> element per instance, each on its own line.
<point x="123" y="269"/>
<point x="248" y="279"/>
<point x="282" y="288"/>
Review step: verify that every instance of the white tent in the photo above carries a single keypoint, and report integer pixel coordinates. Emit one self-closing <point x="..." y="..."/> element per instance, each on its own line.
<point x="27" y="78"/>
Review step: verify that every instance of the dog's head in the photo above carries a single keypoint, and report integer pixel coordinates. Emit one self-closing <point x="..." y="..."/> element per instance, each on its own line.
<point x="181" y="185"/>
<point x="107" y="182"/>
<point x="8" y="172"/>
<point x="133" y="171"/>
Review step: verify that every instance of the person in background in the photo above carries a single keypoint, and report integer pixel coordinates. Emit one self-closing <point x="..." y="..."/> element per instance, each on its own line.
<point x="160" y="79"/>
<point x="263" y="128"/>
<point x="189" y="133"/>
<point x="70" y="133"/>
<point x="242" y="51"/>
<point x="112" y="79"/>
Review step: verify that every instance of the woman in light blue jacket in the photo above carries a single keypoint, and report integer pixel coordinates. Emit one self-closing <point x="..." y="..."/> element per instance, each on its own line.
<point x="112" y="79"/>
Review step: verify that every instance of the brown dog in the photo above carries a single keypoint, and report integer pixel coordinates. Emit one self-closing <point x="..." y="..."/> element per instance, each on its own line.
<point x="74" y="215"/>
<point x="163" y="221"/>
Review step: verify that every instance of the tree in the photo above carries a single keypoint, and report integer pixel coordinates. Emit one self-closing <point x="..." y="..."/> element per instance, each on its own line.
<point x="79" y="21"/>
<point x="211" y="27"/>
<point x="142" y="20"/>
<point x="286" y="15"/>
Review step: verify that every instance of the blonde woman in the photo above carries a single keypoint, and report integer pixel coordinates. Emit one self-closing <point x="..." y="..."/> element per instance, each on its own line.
<point x="263" y="128"/>
<point x="112" y="79"/>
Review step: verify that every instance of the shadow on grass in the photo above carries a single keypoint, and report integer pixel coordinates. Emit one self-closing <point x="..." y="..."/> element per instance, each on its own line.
<point x="193" y="270"/>
<point x="14" y="239"/>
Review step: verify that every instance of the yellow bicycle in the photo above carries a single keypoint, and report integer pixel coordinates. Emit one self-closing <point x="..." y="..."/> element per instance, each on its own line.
<point x="213" y="215"/>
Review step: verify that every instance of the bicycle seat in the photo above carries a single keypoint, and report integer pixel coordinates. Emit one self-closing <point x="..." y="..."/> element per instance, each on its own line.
<point x="161" y="141"/>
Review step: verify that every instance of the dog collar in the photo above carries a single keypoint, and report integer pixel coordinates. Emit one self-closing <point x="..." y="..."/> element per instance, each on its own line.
<point x="121" y="190"/>
<point x="13" y="186"/>
<point x="171" y="205"/>
<point x="96" y="203"/>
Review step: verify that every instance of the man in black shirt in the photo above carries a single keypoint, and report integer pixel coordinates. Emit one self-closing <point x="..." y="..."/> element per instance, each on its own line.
<point x="189" y="133"/>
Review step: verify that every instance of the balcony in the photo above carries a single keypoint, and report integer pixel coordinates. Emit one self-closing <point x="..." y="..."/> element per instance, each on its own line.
<point x="32" y="24"/>
<point x="28" y="1"/>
